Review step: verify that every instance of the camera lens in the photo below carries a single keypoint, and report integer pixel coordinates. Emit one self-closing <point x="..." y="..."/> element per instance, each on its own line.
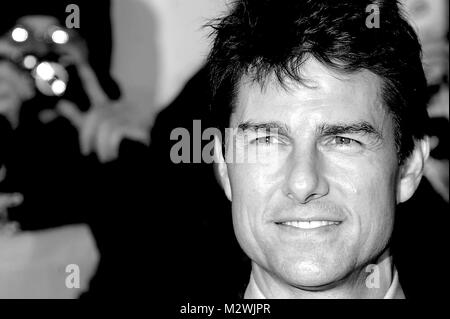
<point x="29" y="62"/>
<point x="59" y="36"/>
<point x="50" y="78"/>
<point x="19" y="34"/>
<point x="45" y="71"/>
<point x="58" y="87"/>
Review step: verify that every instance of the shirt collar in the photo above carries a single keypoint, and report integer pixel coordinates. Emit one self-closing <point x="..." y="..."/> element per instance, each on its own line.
<point x="253" y="291"/>
<point x="395" y="290"/>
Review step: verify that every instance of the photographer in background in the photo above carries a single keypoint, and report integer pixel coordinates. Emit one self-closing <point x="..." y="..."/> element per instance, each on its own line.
<point x="61" y="119"/>
<point x="58" y="96"/>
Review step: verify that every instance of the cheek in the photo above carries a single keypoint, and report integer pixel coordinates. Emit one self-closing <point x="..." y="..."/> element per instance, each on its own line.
<point x="367" y="190"/>
<point x="252" y="186"/>
<point x="252" y="191"/>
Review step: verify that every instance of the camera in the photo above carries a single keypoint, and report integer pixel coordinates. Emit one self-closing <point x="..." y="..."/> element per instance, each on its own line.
<point x="40" y="56"/>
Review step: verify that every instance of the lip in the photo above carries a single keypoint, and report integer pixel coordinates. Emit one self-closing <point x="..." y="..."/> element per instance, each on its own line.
<point x="308" y="219"/>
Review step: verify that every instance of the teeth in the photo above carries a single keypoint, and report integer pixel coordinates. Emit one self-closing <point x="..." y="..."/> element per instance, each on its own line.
<point x="310" y="224"/>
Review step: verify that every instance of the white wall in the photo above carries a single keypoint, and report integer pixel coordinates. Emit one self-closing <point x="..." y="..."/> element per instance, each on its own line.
<point x="158" y="45"/>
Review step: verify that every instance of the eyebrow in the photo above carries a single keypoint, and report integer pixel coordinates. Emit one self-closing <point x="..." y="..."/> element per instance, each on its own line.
<point x="281" y="128"/>
<point x="361" y="127"/>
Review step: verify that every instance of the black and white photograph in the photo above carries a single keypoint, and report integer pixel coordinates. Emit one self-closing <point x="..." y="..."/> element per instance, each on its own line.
<point x="206" y="157"/>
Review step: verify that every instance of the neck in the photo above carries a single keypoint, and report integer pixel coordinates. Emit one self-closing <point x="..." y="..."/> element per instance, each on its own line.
<point x="367" y="282"/>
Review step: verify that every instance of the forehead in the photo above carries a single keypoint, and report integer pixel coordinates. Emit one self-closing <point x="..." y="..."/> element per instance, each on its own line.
<point x="325" y="96"/>
<point x="39" y="23"/>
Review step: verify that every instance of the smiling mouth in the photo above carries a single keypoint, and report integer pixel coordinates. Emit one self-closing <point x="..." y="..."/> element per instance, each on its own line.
<point x="309" y="224"/>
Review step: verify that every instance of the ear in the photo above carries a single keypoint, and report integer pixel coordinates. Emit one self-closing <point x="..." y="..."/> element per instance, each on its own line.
<point x="221" y="167"/>
<point x="412" y="170"/>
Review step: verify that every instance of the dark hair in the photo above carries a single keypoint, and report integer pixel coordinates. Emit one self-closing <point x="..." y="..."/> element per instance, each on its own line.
<point x="259" y="38"/>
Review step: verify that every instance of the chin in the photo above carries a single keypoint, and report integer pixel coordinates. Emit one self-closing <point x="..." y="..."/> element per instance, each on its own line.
<point x="314" y="275"/>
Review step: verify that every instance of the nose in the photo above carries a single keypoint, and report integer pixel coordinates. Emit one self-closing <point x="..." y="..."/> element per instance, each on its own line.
<point x="306" y="180"/>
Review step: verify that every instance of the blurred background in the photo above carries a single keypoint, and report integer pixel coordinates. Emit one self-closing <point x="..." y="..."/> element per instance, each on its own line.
<point x="86" y="178"/>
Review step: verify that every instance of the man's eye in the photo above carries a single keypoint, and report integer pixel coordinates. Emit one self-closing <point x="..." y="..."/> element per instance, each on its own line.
<point x="344" y="141"/>
<point x="265" y="140"/>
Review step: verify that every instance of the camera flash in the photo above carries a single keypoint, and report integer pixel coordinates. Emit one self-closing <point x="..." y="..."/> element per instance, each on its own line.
<point x="58" y="87"/>
<point x="29" y="61"/>
<point x="45" y="71"/>
<point x="60" y="36"/>
<point x="19" y="34"/>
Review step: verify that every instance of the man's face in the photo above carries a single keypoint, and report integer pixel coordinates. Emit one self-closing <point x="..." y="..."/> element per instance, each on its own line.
<point x="320" y="202"/>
